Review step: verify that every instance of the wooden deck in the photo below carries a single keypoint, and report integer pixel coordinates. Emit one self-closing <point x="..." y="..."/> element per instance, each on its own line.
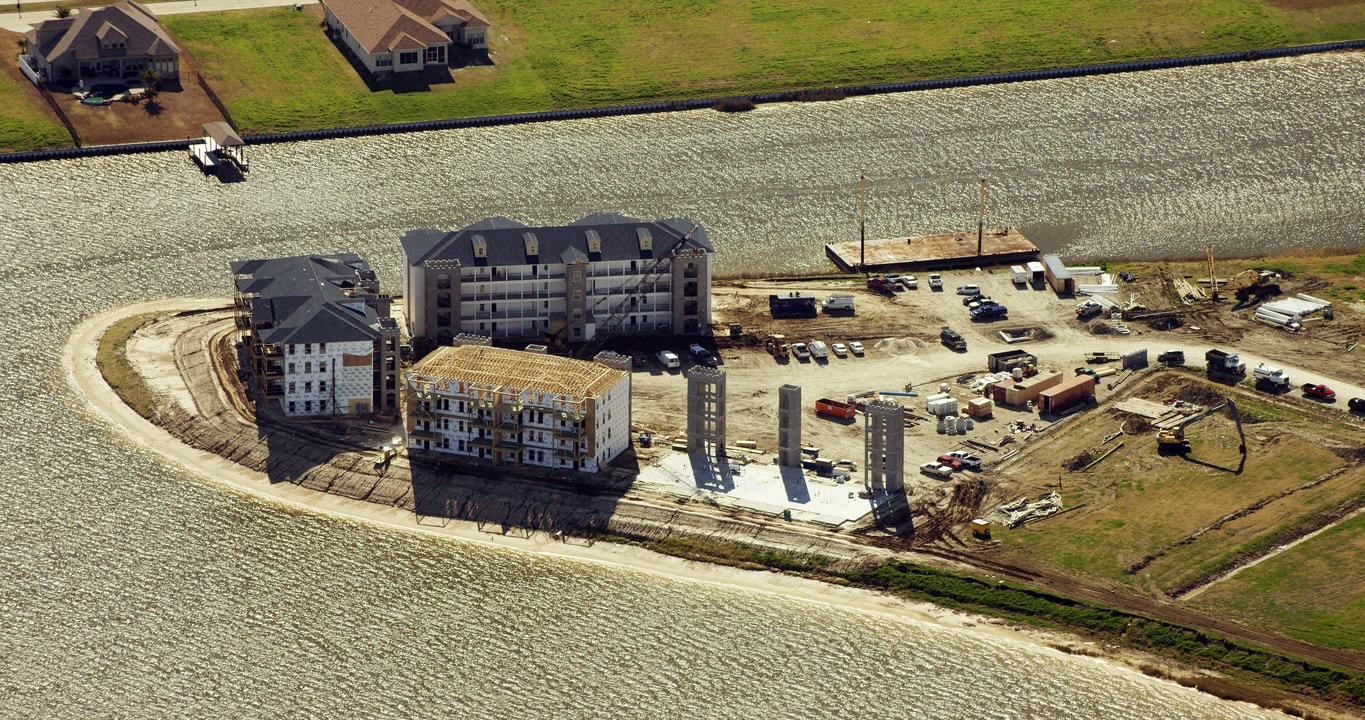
<point x="934" y="252"/>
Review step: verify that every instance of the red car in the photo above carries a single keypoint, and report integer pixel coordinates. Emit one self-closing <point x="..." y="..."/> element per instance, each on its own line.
<point x="950" y="461"/>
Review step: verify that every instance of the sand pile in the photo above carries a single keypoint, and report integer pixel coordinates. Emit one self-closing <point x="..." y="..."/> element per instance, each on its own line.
<point x="900" y="346"/>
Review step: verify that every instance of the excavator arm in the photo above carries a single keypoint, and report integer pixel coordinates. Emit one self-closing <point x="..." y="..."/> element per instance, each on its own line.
<point x="1237" y="418"/>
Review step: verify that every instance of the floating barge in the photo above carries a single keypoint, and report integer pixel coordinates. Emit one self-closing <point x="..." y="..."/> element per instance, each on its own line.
<point x="934" y="252"/>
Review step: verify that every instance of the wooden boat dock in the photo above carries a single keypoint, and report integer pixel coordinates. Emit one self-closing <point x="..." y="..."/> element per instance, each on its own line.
<point x="220" y="149"/>
<point x="934" y="252"/>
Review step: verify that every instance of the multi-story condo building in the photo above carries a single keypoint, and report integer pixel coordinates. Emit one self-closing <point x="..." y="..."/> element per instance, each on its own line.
<point x="318" y="334"/>
<point x="603" y="275"/>
<point x="519" y="407"/>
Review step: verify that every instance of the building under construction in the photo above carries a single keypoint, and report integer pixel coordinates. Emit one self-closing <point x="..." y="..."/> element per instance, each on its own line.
<point x="318" y="336"/>
<point x="519" y="407"/>
<point x="604" y="275"/>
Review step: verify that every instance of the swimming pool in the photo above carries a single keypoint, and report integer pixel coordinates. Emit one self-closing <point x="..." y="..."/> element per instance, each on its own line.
<point x="104" y="93"/>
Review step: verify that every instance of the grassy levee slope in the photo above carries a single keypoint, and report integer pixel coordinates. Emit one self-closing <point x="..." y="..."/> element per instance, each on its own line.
<point x="1303" y="591"/>
<point x="276" y="71"/>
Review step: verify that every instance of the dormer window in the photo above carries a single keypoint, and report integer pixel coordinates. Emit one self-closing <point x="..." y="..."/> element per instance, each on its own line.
<point x="480" y="246"/>
<point x="532" y="244"/>
<point x="646" y="239"/>
<point x="111" y="38"/>
<point x="594" y="241"/>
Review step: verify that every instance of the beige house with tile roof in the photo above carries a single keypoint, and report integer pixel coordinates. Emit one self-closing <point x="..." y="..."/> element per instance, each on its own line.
<point x="118" y="41"/>
<point x="393" y="36"/>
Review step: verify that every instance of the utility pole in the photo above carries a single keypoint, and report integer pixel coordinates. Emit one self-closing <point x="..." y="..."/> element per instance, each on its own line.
<point x="1213" y="279"/>
<point x="862" y="222"/>
<point x="981" y="219"/>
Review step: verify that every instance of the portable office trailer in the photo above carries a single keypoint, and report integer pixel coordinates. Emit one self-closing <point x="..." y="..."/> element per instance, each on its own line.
<point x="1058" y="276"/>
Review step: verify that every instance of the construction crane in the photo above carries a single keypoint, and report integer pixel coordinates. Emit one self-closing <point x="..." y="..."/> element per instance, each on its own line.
<point x="1173" y="440"/>
<point x="651" y="275"/>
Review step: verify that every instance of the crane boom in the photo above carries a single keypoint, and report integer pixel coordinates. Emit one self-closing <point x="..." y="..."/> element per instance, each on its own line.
<point x="651" y="274"/>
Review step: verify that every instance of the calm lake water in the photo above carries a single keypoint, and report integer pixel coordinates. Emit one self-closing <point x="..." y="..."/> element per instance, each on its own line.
<point x="131" y="588"/>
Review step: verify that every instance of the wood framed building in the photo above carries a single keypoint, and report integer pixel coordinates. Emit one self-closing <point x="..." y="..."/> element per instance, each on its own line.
<point x="398" y="36"/>
<point x="519" y="407"/>
<point x="108" y="43"/>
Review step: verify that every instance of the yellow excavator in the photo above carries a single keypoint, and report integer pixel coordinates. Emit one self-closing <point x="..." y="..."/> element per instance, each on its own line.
<point x="1173" y="441"/>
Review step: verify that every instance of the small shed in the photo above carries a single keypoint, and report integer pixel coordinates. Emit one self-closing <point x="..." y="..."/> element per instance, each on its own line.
<point x="1058" y="276"/>
<point x="981" y="529"/>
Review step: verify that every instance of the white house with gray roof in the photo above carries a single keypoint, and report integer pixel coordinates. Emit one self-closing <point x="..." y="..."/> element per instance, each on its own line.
<point x="606" y="273"/>
<point x="318" y="334"/>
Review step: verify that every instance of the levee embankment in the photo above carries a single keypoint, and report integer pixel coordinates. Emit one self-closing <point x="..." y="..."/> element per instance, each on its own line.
<point x="703" y="103"/>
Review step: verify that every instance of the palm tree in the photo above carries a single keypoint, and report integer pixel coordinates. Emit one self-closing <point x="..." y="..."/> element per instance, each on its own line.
<point x="63" y="11"/>
<point x="151" y="77"/>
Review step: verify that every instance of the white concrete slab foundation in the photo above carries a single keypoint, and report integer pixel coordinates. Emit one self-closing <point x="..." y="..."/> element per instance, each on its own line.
<point x="761" y="486"/>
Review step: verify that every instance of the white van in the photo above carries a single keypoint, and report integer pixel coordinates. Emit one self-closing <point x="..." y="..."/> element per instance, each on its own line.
<point x="668" y="359"/>
<point x="838" y="302"/>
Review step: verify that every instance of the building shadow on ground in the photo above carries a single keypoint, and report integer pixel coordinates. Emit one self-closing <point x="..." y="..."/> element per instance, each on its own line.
<point x="409" y="82"/>
<point x="512" y="500"/>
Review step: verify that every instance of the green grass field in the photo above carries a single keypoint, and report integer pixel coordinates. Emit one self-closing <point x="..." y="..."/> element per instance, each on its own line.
<point x="1303" y="591"/>
<point x="25" y="121"/>
<point x="1138" y="502"/>
<point x="276" y="70"/>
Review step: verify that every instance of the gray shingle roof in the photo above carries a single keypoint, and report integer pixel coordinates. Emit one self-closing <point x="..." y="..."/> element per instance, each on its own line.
<point x="620" y="240"/>
<point x="304" y="298"/>
<point x="81" y="35"/>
